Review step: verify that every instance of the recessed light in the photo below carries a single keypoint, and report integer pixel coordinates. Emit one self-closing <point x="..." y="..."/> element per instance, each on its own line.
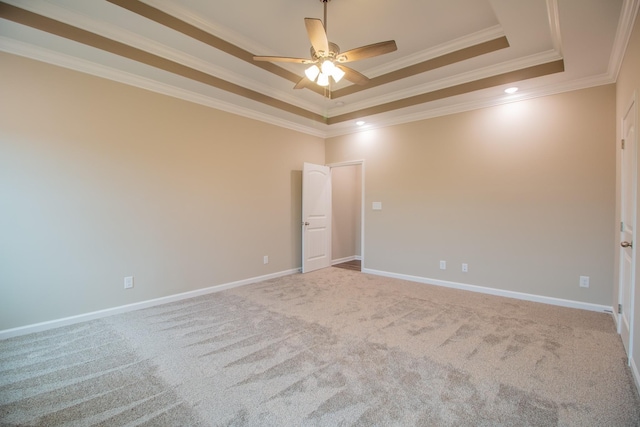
<point x="360" y="122"/>
<point x="511" y="90"/>
<point x="339" y="104"/>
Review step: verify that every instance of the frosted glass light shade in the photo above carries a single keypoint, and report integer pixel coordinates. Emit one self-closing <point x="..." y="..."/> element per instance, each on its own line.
<point x="337" y="74"/>
<point x="327" y="67"/>
<point x="323" y="79"/>
<point x="312" y="72"/>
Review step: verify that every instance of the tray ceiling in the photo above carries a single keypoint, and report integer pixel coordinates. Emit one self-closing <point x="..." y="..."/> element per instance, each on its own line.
<point x="453" y="55"/>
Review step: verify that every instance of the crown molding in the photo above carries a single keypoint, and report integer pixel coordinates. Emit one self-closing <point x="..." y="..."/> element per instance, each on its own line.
<point x="187" y="16"/>
<point x="121" y="35"/>
<point x="625" y="28"/>
<point x="56" y="11"/>
<point x="66" y="61"/>
<point x="320" y="130"/>
<point x="554" y="25"/>
<point x="476" y="38"/>
<point x="172" y="8"/>
<point x="548" y="90"/>
<point x="505" y="67"/>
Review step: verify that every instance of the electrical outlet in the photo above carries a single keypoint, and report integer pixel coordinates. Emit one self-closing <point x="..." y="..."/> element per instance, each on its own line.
<point x="443" y="265"/>
<point x="128" y="282"/>
<point x="265" y="259"/>
<point x="584" y="281"/>
<point x="465" y="267"/>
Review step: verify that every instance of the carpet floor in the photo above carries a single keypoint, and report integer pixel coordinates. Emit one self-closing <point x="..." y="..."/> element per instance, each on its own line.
<point x="329" y="348"/>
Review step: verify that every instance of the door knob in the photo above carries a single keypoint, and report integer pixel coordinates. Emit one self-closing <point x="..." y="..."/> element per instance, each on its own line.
<point x="305" y="223"/>
<point x="626" y="244"/>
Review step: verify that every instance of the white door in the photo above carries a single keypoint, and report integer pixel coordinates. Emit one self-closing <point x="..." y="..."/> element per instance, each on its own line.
<point x="627" y="228"/>
<point x="316" y="217"/>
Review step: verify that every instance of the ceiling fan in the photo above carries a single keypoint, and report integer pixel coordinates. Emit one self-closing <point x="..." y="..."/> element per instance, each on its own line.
<point x="326" y="60"/>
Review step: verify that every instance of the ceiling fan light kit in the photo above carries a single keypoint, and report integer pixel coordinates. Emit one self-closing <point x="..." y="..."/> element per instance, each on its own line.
<point x="326" y="60"/>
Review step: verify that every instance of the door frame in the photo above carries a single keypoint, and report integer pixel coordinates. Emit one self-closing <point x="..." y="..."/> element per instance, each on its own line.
<point x="633" y="103"/>
<point x="360" y="163"/>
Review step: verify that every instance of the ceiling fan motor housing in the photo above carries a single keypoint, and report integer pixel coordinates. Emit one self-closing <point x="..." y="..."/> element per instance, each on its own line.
<point x="334" y="50"/>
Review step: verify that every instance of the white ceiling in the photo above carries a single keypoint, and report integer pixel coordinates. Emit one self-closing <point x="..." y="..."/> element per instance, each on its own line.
<point x="588" y="35"/>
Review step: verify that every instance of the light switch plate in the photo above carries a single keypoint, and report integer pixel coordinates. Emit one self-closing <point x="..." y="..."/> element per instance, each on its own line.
<point x="376" y="206"/>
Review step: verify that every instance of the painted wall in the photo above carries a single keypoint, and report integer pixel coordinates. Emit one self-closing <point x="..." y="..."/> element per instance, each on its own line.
<point x="346" y="211"/>
<point x="627" y="84"/>
<point x="523" y="193"/>
<point x="99" y="181"/>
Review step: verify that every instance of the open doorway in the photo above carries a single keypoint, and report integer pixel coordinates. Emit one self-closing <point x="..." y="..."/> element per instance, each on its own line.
<point x="347" y="228"/>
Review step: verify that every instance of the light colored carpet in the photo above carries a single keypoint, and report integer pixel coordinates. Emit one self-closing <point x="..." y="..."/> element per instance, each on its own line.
<point x="331" y="347"/>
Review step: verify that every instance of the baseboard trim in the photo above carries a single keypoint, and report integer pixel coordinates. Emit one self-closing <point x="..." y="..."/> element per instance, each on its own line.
<point x="494" y="291"/>
<point x="43" y="326"/>
<point x="345" y="259"/>
<point x="635" y="373"/>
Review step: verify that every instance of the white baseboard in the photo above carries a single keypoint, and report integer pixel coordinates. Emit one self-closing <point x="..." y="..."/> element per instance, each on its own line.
<point x="635" y="373"/>
<point x="38" y="327"/>
<point x="494" y="291"/>
<point x="345" y="259"/>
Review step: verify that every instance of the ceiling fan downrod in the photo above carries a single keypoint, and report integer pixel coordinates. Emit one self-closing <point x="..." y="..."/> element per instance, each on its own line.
<point x="325" y="14"/>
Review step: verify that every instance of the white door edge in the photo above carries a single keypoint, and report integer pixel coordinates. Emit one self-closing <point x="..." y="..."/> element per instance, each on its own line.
<point x="632" y="281"/>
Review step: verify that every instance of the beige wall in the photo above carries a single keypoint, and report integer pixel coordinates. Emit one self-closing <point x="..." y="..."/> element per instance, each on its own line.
<point x="99" y="180"/>
<point x="524" y="193"/>
<point x="346" y="215"/>
<point x="627" y="84"/>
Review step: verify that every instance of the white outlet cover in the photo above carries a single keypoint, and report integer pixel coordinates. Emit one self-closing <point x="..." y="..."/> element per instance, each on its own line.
<point x="376" y="206"/>
<point x="443" y="265"/>
<point x="584" y="281"/>
<point x="128" y="282"/>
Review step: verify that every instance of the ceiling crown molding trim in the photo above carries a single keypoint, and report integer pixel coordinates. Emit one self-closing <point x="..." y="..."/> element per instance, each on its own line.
<point x="172" y="8"/>
<point x="87" y="67"/>
<point x="69" y="17"/>
<point x="625" y="28"/>
<point x="169" y="21"/>
<point x="186" y="28"/>
<point x="489" y="101"/>
<point x="423" y="67"/>
<point x="399" y="108"/>
<point x="554" y="25"/>
<point x="492" y="81"/>
<point x="33" y="20"/>
<point x="477" y="38"/>
<point x="481" y="73"/>
<point x="482" y="36"/>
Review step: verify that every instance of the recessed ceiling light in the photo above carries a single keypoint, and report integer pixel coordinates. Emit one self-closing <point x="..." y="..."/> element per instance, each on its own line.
<point x="511" y="90"/>
<point x="339" y="104"/>
<point x="360" y="122"/>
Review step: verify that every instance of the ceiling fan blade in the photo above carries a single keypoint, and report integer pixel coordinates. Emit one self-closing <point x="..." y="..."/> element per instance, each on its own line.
<point x="368" y="51"/>
<point x="353" y="76"/>
<point x="282" y="59"/>
<point x="317" y="36"/>
<point x="304" y="82"/>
